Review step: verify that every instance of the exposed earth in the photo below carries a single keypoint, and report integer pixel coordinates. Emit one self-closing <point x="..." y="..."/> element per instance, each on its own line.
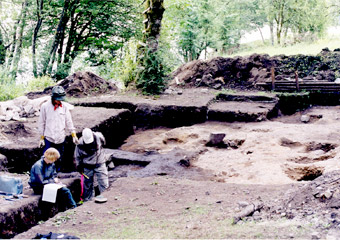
<point x="257" y="173"/>
<point x="276" y="178"/>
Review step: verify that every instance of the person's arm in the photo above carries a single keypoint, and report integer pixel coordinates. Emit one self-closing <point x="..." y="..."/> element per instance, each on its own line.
<point x="41" y="126"/>
<point x="69" y="123"/>
<point x="54" y="178"/>
<point x="101" y="137"/>
<point x="79" y="161"/>
<point x="38" y="177"/>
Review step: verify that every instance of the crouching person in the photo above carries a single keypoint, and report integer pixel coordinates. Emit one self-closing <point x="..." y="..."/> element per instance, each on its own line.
<point x="44" y="172"/>
<point x="91" y="161"/>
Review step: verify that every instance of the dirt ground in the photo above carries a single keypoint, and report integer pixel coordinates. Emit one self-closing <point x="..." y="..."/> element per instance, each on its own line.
<point x="264" y="164"/>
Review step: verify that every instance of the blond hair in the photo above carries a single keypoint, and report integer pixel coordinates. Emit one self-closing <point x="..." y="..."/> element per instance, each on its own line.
<point x="51" y="155"/>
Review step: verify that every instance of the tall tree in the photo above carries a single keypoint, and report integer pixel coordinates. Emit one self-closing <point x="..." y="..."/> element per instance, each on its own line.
<point x="2" y="50"/>
<point x="39" y="21"/>
<point x="151" y="75"/>
<point x="19" y="41"/>
<point x="85" y="25"/>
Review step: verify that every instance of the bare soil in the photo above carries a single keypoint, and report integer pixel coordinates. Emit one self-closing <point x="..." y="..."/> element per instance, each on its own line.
<point x="272" y="162"/>
<point x="271" y="179"/>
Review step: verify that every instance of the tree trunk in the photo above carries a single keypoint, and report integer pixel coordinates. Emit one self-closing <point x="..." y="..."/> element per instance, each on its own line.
<point x="152" y="23"/>
<point x="18" y="47"/>
<point x="2" y="51"/>
<point x="153" y="15"/>
<point x="261" y="34"/>
<point x="14" y="43"/>
<point x="49" y="61"/>
<point x="271" y="27"/>
<point x="35" y="35"/>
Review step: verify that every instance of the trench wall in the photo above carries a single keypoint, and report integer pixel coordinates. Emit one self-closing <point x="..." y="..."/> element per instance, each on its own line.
<point x="116" y="129"/>
<point x="25" y="214"/>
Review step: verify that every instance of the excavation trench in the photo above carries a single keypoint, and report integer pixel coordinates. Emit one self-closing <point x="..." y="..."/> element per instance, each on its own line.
<point x="169" y="136"/>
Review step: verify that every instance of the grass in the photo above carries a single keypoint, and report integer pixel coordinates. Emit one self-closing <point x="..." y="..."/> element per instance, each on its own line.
<point x="196" y="221"/>
<point x="10" y="90"/>
<point x="300" y="48"/>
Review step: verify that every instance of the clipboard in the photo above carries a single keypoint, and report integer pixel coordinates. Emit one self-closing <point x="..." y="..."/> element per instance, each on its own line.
<point x="50" y="192"/>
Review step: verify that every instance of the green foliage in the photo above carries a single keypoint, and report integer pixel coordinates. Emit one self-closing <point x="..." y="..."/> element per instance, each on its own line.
<point x="2" y="51"/>
<point x="10" y="91"/>
<point x="63" y="71"/>
<point x="151" y="77"/>
<point x="8" y="88"/>
<point x="122" y="66"/>
<point x="39" y="84"/>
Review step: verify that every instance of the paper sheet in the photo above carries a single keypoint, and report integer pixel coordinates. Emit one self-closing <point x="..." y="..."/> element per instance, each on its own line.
<point x="50" y="192"/>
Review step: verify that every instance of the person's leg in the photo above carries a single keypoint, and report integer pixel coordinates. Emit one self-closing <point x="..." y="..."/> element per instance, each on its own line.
<point x="102" y="177"/>
<point x="88" y="184"/>
<point x="47" y="146"/>
<point x="66" y="195"/>
<point x="60" y="148"/>
<point x="59" y="163"/>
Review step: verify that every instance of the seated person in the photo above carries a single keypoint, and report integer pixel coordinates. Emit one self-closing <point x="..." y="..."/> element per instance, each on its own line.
<point x="44" y="172"/>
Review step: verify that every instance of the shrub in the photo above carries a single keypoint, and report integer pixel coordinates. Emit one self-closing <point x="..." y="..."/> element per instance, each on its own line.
<point x="63" y="71"/>
<point x="10" y="91"/>
<point x="8" y="88"/>
<point x="151" y="75"/>
<point x="39" y="84"/>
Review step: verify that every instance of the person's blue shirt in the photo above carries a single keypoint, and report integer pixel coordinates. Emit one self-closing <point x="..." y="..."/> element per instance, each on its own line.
<point x="42" y="173"/>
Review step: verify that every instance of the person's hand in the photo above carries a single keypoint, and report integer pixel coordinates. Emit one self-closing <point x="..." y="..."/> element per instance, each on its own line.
<point x="75" y="140"/>
<point x="41" y="143"/>
<point x="56" y="180"/>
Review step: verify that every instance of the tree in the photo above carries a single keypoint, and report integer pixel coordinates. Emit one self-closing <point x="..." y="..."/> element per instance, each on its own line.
<point x="2" y="51"/>
<point x="150" y="76"/>
<point x="301" y="17"/>
<point x="18" y="41"/>
<point x="39" y="21"/>
<point x="82" y="25"/>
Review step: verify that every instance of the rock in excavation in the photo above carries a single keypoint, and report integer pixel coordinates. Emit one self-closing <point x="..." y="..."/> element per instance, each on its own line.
<point x="305" y="118"/>
<point x="215" y="139"/>
<point x="248" y="211"/>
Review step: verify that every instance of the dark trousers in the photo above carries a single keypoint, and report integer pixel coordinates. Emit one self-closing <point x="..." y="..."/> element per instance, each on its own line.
<point x="60" y="147"/>
<point x="64" y="197"/>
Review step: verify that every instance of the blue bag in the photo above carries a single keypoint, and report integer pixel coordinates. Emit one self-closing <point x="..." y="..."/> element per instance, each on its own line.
<point x="10" y="185"/>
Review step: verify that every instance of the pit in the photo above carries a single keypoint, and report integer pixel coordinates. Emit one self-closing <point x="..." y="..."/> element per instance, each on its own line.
<point x="168" y="136"/>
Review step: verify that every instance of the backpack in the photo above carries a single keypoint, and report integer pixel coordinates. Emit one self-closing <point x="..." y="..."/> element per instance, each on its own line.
<point x="10" y="185"/>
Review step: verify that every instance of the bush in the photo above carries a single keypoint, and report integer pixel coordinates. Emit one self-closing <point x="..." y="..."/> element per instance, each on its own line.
<point x="10" y="91"/>
<point x="8" y="88"/>
<point x="151" y="75"/>
<point x="39" y="84"/>
<point x="121" y="67"/>
<point x="63" y="71"/>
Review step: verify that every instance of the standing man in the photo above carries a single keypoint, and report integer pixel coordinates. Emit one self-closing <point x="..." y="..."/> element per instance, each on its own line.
<point x="91" y="160"/>
<point x="54" y="122"/>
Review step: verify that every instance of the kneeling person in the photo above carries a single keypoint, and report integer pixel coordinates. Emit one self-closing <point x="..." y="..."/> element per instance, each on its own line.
<point x="44" y="172"/>
<point x="91" y="160"/>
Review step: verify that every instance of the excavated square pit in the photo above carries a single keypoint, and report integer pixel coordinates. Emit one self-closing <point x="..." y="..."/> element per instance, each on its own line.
<point x="283" y="150"/>
<point x="19" y="145"/>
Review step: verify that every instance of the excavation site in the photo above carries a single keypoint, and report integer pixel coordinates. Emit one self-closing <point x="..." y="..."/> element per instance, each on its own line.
<point x="198" y="160"/>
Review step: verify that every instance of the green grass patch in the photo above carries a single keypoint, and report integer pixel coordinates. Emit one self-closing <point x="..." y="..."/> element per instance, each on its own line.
<point x="306" y="48"/>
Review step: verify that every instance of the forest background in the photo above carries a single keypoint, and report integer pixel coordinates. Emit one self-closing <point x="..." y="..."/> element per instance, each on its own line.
<point x="137" y="43"/>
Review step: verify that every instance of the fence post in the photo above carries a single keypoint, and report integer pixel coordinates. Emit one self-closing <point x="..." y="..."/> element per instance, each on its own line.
<point x="273" y="77"/>
<point x="297" y="81"/>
